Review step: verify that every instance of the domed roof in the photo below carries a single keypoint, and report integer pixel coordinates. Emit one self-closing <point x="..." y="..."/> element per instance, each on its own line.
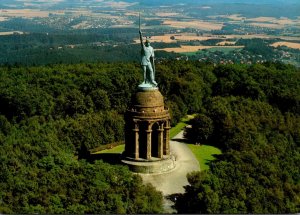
<point x="150" y="98"/>
<point x="148" y="105"/>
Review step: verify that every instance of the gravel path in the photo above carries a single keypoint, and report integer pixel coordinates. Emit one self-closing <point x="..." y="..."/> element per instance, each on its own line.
<point x="172" y="182"/>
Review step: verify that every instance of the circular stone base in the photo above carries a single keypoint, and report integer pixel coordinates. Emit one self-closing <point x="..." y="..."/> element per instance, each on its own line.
<point x="147" y="87"/>
<point x="158" y="166"/>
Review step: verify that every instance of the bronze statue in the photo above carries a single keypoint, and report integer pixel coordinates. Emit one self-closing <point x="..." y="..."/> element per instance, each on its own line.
<point x="147" y="61"/>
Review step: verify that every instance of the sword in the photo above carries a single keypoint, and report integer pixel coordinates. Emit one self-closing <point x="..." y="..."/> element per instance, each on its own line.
<point x="153" y="68"/>
<point x="139" y="21"/>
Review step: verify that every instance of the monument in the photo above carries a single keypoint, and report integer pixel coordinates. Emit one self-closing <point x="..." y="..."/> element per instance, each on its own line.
<point x="147" y="128"/>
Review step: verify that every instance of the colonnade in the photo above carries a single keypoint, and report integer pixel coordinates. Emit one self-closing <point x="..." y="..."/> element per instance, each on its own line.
<point x="149" y="134"/>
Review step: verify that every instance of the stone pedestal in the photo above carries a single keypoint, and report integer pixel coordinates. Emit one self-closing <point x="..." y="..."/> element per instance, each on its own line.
<point x="147" y="145"/>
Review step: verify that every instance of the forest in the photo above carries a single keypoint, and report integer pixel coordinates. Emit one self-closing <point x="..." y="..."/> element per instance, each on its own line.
<point x="89" y="46"/>
<point x="116" y="45"/>
<point x="50" y="115"/>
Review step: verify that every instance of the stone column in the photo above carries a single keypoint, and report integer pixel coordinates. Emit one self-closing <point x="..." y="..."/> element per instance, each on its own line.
<point x="149" y="133"/>
<point x="167" y="138"/>
<point x="136" y="141"/>
<point x="161" y="141"/>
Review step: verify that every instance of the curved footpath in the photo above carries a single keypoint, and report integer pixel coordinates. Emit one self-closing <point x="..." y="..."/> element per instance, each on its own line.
<point x="173" y="182"/>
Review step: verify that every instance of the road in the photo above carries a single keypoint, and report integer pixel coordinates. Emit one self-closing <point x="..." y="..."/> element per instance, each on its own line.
<point x="173" y="182"/>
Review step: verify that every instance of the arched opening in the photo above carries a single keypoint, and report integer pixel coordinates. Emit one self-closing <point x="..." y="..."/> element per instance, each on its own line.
<point x="154" y="138"/>
<point x="143" y="139"/>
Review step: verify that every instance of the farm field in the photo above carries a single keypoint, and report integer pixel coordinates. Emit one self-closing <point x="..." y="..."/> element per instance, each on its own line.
<point x="261" y="21"/>
<point x="26" y="13"/>
<point x="197" y="24"/>
<point x="287" y="44"/>
<point x="180" y="30"/>
<point x="184" y="49"/>
<point x="182" y="37"/>
<point x="10" y="33"/>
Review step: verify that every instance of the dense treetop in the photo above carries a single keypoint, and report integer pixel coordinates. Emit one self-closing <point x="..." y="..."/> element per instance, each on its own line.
<point x="253" y="116"/>
<point x="49" y="114"/>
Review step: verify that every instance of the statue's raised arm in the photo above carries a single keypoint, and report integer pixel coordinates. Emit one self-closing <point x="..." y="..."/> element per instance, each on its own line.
<point x="141" y="38"/>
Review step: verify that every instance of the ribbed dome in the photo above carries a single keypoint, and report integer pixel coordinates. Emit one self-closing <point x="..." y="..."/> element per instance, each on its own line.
<point x="149" y="100"/>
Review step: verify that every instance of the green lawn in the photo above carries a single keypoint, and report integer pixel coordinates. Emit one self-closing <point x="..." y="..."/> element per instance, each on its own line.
<point x="190" y="53"/>
<point x="223" y="49"/>
<point x="226" y="50"/>
<point x="118" y="149"/>
<point x="204" y="154"/>
<point x="175" y="130"/>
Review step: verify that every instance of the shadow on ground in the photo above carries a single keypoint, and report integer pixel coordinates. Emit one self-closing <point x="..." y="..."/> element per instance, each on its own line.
<point x="180" y="140"/>
<point x="111" y="158"/>
<point x="173" y="197"/>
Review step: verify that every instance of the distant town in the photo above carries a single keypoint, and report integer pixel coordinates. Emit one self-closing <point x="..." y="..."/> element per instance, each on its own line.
<point x="204" y="32"/>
